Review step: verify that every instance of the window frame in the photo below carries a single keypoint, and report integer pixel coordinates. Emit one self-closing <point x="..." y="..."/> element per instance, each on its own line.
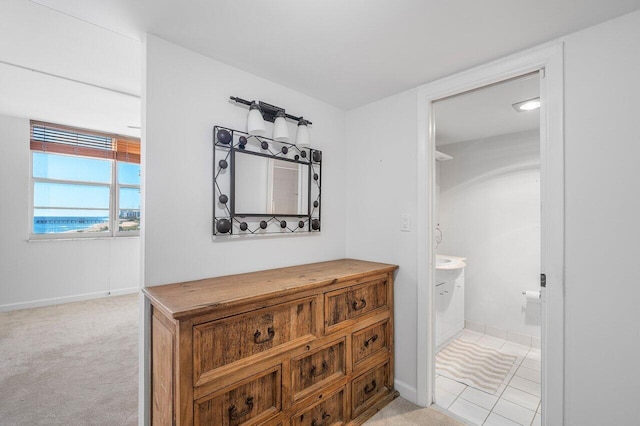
<point x="114" y="195"/>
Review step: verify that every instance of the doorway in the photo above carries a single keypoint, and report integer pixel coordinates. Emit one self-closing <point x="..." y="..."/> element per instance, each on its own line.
<point x="548" y="61"/>
<point x="487" y="214"/>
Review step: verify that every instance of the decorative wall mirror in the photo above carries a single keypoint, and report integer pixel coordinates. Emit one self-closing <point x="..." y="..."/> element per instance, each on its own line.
<point x="262" y="186"/>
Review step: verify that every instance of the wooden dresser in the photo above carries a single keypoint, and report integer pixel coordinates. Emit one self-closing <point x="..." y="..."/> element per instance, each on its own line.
<point x="306" y="345"/>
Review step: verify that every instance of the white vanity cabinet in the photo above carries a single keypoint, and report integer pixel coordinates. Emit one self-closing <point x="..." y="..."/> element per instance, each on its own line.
<point x="458" y="296"/>
<point x="449" y="307"/>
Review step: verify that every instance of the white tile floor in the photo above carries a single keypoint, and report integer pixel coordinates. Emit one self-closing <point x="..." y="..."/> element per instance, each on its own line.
<point x="517" y="401"/>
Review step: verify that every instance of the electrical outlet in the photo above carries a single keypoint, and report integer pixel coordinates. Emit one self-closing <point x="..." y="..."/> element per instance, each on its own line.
<point x="405" y="223"/>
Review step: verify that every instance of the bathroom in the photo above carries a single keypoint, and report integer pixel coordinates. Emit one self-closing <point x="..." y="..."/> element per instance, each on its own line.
<point x="487" y="215"/>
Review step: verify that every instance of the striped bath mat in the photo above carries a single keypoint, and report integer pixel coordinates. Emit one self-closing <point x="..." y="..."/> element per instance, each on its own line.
<point x="474" y="365"/>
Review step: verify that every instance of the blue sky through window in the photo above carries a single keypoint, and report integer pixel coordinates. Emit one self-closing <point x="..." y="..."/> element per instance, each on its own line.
<point x="129" y="173"/>
<point x="129" y="198"/>
<point x="81" y="197"/>
<point x="64" y="167"/>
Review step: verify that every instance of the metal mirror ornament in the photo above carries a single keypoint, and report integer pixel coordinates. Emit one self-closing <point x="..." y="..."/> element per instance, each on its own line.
<point x="262" y="186"/>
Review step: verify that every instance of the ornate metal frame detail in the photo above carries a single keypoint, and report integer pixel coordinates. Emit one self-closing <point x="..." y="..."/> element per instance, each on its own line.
<point x="226" y="222"/>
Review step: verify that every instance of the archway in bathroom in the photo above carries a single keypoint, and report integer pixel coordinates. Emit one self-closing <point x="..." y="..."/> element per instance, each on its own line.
<point x="487" y="211"/>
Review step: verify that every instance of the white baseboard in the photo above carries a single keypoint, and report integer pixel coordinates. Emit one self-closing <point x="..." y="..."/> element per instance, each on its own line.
<point x="66" y="299"/>
<point x="407" y="392"/>
<point x="510" y="335"/>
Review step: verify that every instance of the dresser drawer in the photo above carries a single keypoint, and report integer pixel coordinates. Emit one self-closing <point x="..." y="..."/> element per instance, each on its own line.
<point x="352" y="302"/>
<point x="369" y="387"/>
<point x="249" y="402"/>
<point x="223" y="342"/>
<point x="314" y="370"/>
<point x="369" y="341"/>
<point x="330" y="412"/>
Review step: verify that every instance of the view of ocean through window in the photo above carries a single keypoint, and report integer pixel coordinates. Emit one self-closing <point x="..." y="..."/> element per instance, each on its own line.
<point x="72" y="195"/>
<point x="51" y="224"/>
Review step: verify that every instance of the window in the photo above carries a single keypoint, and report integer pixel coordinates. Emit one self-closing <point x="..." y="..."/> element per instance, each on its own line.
<point x="84" y="183"/>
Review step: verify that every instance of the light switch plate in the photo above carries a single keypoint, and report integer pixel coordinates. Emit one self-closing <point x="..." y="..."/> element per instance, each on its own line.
<point x="405" y="224"/>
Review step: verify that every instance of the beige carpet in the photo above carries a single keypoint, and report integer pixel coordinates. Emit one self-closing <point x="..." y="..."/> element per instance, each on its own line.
<point x="72" y="364"/>
<point x="401" y="412"/>
<point x="474" y="365"/>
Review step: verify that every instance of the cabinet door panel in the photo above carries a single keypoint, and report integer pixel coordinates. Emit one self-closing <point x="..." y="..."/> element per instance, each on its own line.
<point x="449" y="309"/>
<point x="330" y="412"/>
<point x="458" y="294"/>
<point x="352" y="302"/>
<point x="317" y="369"/>
<point x="222" y="342"/>
<point x="440" y="314"/>
<point x="369" y="341"/>
<point x="366" y="389"/>
<point x="249" y="402"/>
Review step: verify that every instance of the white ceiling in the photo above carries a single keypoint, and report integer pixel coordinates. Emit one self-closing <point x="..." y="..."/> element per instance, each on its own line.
<point x="487" y="111"/>
<point x="349" y="53"/>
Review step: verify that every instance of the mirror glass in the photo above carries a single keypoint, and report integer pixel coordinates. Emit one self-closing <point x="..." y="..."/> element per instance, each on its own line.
<point x="270" y="186"/>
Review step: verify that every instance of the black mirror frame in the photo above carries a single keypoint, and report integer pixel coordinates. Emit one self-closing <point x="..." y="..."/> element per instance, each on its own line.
<point x="225" y="220"/>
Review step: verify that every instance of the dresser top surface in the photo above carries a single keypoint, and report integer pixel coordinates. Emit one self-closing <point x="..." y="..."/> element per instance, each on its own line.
<point x="186" y="299"/>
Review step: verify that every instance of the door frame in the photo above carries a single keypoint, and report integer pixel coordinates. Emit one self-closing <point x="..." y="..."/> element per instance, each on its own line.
<point x="549" y="59"/>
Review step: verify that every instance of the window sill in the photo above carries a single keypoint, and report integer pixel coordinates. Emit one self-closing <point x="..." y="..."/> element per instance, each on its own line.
<point x="44" y="240"/>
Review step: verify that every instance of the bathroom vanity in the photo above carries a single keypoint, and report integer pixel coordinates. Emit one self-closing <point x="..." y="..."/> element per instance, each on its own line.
<point x="303" y="345"/>
<point x="449" y="297"/>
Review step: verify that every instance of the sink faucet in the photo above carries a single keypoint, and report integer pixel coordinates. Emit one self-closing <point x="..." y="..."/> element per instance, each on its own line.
<point x="438" y="235"/>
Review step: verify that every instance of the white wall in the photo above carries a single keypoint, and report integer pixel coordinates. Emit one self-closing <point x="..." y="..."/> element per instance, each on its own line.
<point x="602" y="152"/>
<point x="602" y="226"/>
<point x="381" y="147"/>
<point x="187" y="94"/>
<point x="59" y="49"/>
<point x="490" y="213"/>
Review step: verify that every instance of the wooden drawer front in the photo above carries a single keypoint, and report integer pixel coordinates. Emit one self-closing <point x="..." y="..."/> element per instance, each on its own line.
<point x="351" y="302"/>
<point x="314" y="370"/>
<point x="249" y="402"/>
<point x="330" y="412"/>
<point x="369" y="341"/>
<point x="222" y="342"/>
<point x="366" y="389"/>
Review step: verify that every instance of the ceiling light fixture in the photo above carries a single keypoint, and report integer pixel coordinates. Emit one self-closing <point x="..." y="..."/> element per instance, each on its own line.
<point x="528" y="105"/>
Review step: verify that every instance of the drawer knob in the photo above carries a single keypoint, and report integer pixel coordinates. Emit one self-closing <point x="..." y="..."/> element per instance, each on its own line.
<point x="370" y="387"/>
<point x="234" y="415"/>
<point x="356" y="306"/>
<point x="371" y="339"/>
<point x="315" y="373"/>
<point x="270" y="335"/>
<point x="325" y="417"/>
